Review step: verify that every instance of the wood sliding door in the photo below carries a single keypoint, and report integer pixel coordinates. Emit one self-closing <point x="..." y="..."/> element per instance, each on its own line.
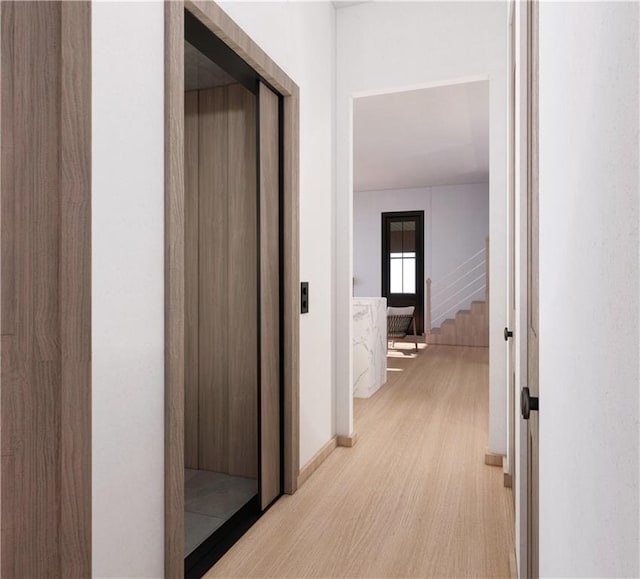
<point x="270" y="390"/>
<point x="45" y="321"/>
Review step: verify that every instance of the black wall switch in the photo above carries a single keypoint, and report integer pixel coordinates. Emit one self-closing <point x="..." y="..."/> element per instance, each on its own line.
<point x="304" y="297"/>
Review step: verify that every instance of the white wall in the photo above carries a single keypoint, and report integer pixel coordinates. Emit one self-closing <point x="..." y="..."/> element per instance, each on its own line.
<point x="128" y="289"/>
<point x="459" y="227"/>
<point x="300" y="37"/>
<point x="456" y="223"/>
<point x="128" y="282"/>
<point x="589" y="285"/>
<point x="128" y="258"/>
<point x="391" y="46"/>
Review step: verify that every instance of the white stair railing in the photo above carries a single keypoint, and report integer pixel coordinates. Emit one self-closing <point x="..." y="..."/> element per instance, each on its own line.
<point x="467" y="282"/>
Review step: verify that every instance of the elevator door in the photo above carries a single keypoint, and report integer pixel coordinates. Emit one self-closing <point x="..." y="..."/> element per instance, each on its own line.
<point x="233" y="301"/>
<point x="222" y="320"/>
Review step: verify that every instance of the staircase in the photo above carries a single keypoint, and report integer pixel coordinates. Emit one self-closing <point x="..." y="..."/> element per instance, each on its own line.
<point x="468" y="328"/>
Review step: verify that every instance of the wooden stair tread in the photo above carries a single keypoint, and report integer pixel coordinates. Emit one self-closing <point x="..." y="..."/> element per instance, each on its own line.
<point x="469" y="327"/>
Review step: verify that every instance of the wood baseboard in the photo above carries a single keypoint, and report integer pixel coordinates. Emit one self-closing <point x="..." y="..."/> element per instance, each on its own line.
<point x="513" y="565"/>
<point x="348" y="441"/>
<point x="492" y="459"/>
<point x="318" y="458"/>
<point x="507" y="477"/>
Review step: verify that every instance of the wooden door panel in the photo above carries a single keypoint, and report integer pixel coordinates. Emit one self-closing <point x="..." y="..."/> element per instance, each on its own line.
<point x="191" y="281"/>
<point x="213" y="342"/>
<point x="243" y="281"/>
<point x="269" y="295"/>
<point x="221" y="345"/>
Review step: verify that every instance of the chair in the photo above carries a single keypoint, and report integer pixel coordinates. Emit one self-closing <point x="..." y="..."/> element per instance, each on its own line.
<point x="398" y="322"/>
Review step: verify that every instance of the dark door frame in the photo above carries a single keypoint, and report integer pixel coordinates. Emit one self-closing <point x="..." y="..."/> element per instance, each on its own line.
<point x="399" y="299"/>
<point x="219" y="23"/>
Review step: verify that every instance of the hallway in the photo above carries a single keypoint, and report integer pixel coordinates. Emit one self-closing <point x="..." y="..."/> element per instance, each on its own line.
<point x="412" y="499"/>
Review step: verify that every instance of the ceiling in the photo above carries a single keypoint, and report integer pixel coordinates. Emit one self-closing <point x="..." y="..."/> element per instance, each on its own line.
<point x="201" y="72"/>
<point x="422" y="138"/>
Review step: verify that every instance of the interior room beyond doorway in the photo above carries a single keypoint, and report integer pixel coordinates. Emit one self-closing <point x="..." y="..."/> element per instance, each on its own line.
<point x="420" y="225"/>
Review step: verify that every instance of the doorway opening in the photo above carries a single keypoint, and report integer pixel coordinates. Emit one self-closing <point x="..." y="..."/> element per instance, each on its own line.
<point x="403" y="262"/>
<point x="420" y="227"/>
<point x="231" y="446"/>
<point x="222" y="298"/>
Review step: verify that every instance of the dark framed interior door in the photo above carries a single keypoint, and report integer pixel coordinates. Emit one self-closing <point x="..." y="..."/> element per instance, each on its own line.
<point x="403" y="261"/>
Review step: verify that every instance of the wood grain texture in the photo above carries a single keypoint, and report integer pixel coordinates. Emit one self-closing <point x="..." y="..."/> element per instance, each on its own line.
<point x="513" y="565"/>
<point x="213" y="167"/>
<point x="217" y="20"/>
<point x="468" y="328"/>
<point x="7" y="214"/>
<point x="242" y="307"/>
<point x="221" y="281"/>
<point x="75" y="290"/>
<point x="291" y="288"/>
<point x="45" y="399"/>
<point x="174" y="290"/>
<point x="10" y="380"/>
<point x="412" y="499"/>
<point x="270" y="486"/>
<point x="191" y="281"/>
<point x="318" y="458"/>
<point x="31" y="386"/>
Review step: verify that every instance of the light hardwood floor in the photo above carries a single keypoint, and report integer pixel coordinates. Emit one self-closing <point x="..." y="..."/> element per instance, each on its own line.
<point x="412" y="499"/>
